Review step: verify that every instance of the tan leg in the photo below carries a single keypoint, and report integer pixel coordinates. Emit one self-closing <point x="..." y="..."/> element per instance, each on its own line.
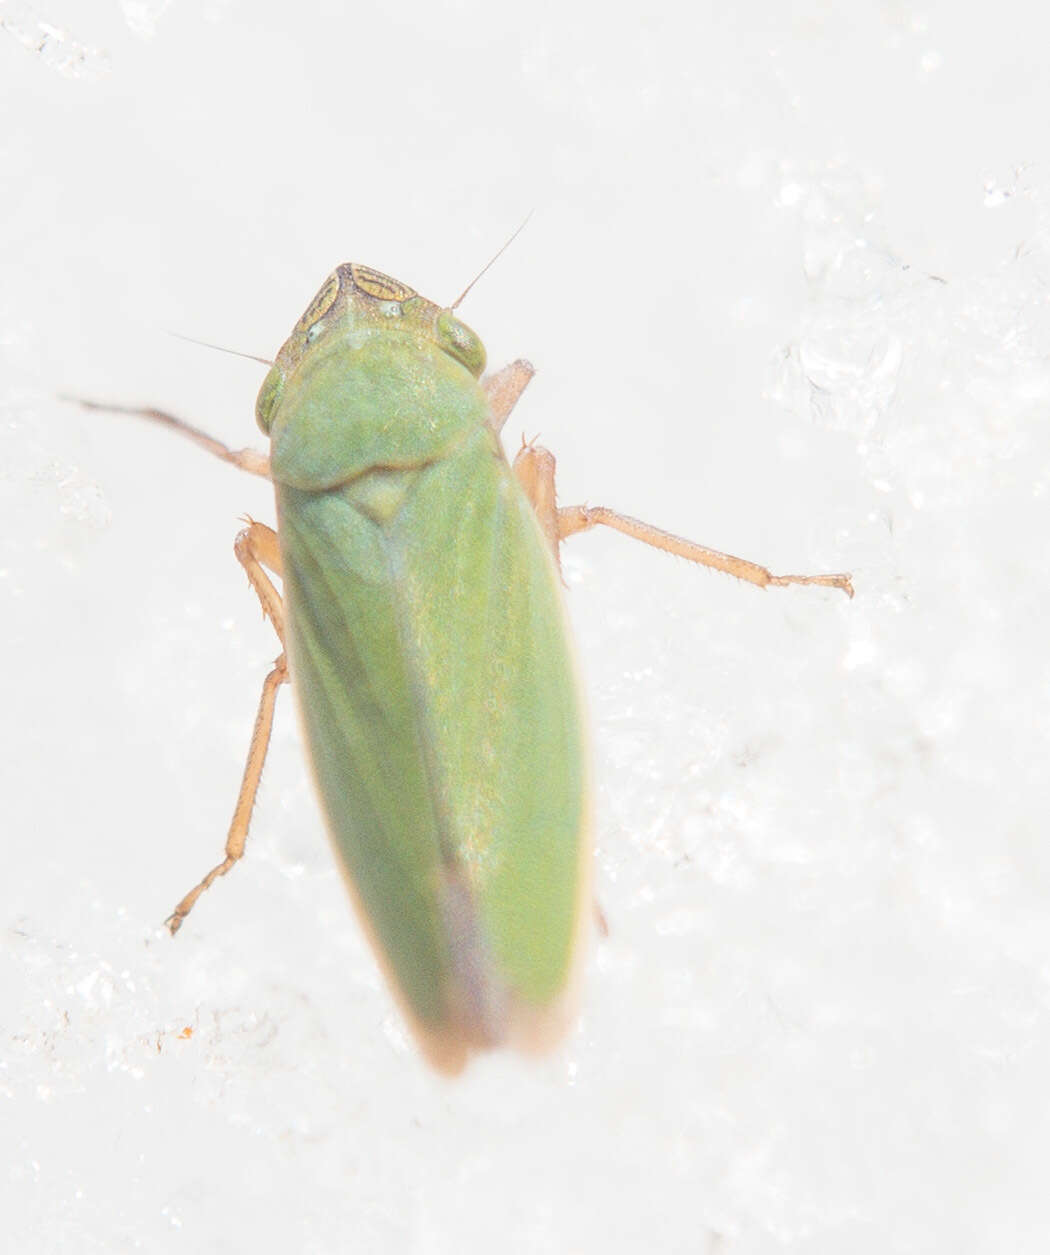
<point x="580" y="518"/>
<point x="256" y="545"/>
<point x="250" y="460"/>
<point x="535" y="469"/>
<point x="504" y="388"/>
<point x="534" y="466"/>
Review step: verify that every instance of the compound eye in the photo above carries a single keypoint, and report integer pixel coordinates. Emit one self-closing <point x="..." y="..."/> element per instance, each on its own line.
<point x="458" y="341"/>
<point x="269" y="395"/>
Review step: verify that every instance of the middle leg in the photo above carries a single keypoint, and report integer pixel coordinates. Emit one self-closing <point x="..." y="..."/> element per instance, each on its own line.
<point x="535" y="469"/>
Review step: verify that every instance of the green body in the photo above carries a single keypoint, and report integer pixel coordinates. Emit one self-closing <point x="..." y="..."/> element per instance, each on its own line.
<point x="428" y="649"/>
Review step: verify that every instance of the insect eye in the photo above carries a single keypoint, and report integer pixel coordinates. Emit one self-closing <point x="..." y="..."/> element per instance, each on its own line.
<point x="458" y="341"/>
<point x="269" y="395"/>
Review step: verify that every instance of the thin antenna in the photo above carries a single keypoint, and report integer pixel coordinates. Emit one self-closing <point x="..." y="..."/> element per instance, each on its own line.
<point x="493" y="259"/>
<point x="220" y="348"/>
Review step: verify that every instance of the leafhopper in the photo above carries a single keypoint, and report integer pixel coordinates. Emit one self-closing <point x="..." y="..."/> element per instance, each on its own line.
<point x="422" y="624"/>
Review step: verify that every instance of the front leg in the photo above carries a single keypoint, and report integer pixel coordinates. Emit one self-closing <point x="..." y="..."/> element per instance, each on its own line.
<point x="504" y="389"/>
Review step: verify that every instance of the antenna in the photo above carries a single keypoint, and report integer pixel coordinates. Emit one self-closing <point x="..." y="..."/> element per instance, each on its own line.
<point x="220" y="348"/>
<point x="492" y="260"/>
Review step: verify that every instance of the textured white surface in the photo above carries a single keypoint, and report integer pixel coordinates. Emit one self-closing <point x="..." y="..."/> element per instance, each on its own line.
<point x="787" y="289"/>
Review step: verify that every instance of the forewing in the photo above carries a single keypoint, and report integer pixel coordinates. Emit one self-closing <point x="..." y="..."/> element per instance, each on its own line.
<point x="430" y="657"/>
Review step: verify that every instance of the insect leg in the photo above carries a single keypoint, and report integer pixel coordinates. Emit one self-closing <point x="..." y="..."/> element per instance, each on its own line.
<point x="580" y="518"/>
<point x="504" y="388"/>
<point x="255" y="546"/>
<point x="535" y="469"/>
<point x="250" y="460"/>
<point x="534" y="466"/>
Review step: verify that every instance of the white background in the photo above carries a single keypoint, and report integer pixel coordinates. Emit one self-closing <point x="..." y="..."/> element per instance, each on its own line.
<point x="787" y="285"/>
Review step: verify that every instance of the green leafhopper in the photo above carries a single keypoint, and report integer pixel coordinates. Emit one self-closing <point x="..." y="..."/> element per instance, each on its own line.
<point x="422" y="623"/>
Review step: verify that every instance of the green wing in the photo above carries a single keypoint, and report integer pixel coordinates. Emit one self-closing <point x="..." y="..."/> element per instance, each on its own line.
<point x="428" y="649"/>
